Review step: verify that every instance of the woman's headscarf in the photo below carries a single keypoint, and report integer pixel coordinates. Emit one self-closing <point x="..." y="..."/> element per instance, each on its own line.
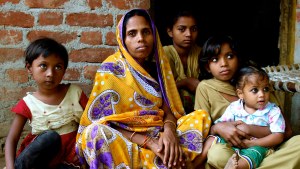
<point x="124" y="93"/>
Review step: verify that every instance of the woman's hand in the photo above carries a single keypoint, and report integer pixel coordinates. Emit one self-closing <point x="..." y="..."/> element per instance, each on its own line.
<point x="243" y="127"/>
<point x="153" y="144"/>
<point x="170" y="148"/>
<point x="168" y="143"/>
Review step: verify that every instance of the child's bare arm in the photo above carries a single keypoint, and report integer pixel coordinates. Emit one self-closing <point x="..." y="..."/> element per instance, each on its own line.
<point x="229" y="132"/>
<point x="254" y="130"/>
<point x="268" y="141"/>
<point x="12" y="140"/>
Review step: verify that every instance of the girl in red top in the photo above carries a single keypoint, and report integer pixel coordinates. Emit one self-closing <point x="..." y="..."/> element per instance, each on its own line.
<point x="53" y="111"/>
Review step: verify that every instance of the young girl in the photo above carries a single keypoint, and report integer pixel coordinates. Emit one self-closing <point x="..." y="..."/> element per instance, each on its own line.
<point x="54" y="111"/>
<point x="218" y="65"/>
<point x="253" y="108"/>
<point x="183" y="55"/>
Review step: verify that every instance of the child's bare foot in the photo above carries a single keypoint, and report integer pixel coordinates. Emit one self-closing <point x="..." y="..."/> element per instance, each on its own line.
<point x="232" y="162"/>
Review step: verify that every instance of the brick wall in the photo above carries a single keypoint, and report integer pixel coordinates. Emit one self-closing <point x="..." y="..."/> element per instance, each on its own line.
<point x="85" y="27"/>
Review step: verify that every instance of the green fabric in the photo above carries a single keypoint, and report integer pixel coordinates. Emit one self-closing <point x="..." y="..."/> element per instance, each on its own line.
<point x="208" y="97"/>
<point x="255" y="153"/>
<point x="187" y="98"/>
<point x="286" y="156"/>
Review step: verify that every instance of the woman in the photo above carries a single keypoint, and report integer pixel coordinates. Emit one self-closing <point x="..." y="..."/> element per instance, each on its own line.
<point x="134" y="117"/>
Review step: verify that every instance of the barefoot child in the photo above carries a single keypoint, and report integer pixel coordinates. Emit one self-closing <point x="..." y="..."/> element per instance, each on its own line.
<point x="253" y="108"/>
<point x="53" y="110"/>
<point x="219" y="62"/>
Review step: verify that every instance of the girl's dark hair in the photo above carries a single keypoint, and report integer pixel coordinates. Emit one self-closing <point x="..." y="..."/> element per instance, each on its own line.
<point x="212" y="48"/>
<point x="132" y="13"/>
<point x="243" y="74"/>
<point x="181" y="13"/>
<point x="45" y="47"/>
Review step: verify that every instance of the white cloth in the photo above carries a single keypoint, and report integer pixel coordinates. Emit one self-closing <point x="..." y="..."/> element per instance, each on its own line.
<point x="63" y="118"/>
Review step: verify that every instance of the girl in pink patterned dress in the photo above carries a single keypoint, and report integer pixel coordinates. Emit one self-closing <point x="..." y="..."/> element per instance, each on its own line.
<point x="253" y="108"/>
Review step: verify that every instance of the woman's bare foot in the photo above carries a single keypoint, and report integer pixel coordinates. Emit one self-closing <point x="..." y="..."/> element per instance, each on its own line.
<point x="232" y="162"/>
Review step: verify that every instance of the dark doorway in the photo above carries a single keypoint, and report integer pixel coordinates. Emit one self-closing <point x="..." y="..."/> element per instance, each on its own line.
<point x="253" y="24"/>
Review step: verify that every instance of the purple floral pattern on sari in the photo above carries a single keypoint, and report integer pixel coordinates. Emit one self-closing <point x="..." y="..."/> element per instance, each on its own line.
<point x="159" y="163"/>
<point x="117" y="68"/>
<point x="152" y="83"/>
<point x="142" y="101"/>
<point x="149" y="84"/>
<point x="81" y="159"/>
<point x="98" y="144"/>
<point x="103" y="159"/>
<point x="103" y="105"/>
<point x="148" y="112"/>
<point x="192" y="140"/>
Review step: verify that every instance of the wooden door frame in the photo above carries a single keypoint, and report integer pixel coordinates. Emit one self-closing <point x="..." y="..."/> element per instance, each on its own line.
<point x="287" y="31"/>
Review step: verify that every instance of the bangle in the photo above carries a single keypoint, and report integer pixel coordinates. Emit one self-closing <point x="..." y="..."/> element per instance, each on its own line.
<point x="144" y="142"/>
<point x="147" y="138"/>
<point x="130" y="139"/>
<point x="172" y="122"/>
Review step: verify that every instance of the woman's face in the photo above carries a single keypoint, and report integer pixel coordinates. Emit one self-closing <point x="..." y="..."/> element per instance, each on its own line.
<point x="138" y="38"/>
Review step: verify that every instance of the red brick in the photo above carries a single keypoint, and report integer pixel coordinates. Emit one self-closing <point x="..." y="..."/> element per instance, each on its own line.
<point x="129" y="4"/>
<point x="94" y="4"/>
<point x="91" y="55"/>
<point x="91" y="38"/>
<point x="19" y="19"/>
<point x="10" y="1"/>
<point x="17" y="75"/>
<point x="10" y="54"/>
<point x="111" y="39"/>
<point x="50" y="18"/>
<point x="14" y="93"/>
<point x="45" y="3"/>
<point x="89" y="19"/>
<point x="62" y="37"/>
<point x="90" y="71"/>
<point x="10" y="37"/>
<point x="72" y="74"/>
